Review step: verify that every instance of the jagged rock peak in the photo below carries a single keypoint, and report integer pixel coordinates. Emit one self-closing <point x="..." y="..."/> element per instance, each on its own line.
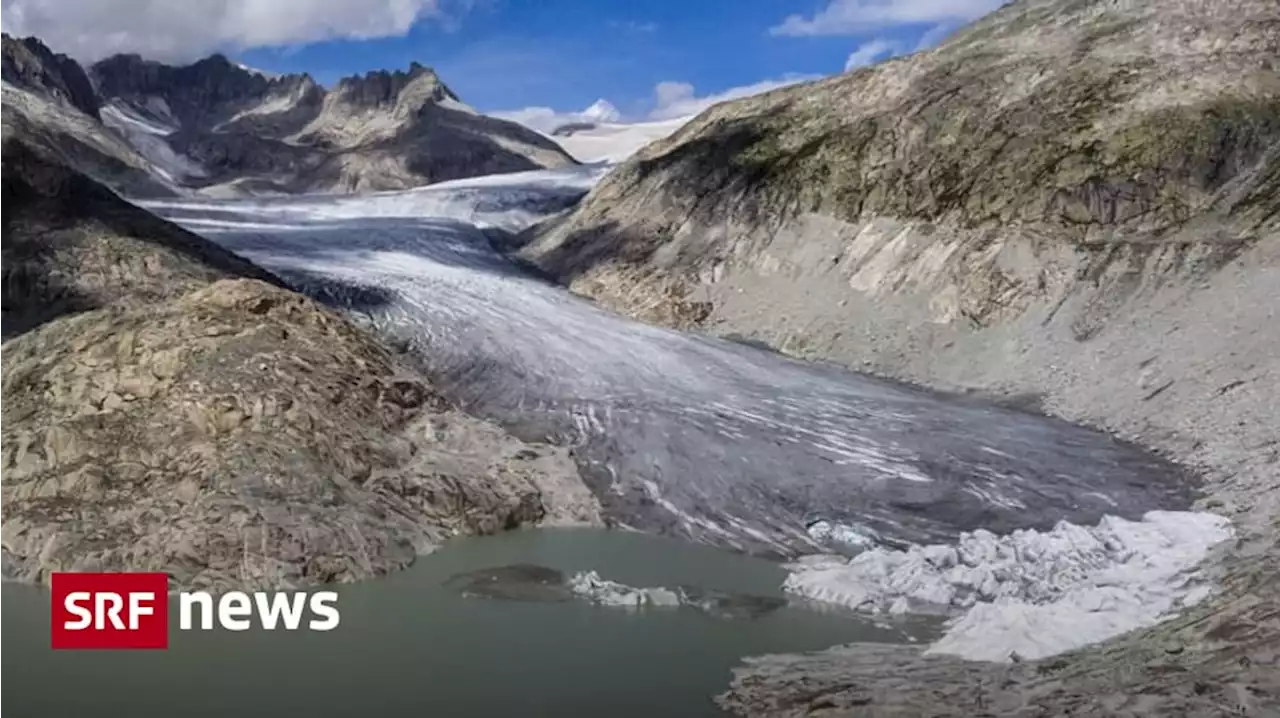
<point x="195" y="91"/>
<point x="28" y="63"/>
<point x="381" y="87"/>
<point x="125" y="74"/>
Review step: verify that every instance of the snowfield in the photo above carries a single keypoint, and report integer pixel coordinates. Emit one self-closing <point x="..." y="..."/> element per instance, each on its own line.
<point x="613" y="141"/>
<point x="735" y="446"/>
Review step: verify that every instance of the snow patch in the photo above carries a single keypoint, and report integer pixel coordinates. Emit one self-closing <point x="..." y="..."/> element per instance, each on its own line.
<point x="602" y="111"/>
<point x="452" y="104"/>
<point x="124" y="119"/>
<point x="610" y="142"/>
<point x="1031" y="593"/>
<point x="589" y="585"/>
<point x="279" y="103"/>
<point x="256" y="71"/>
<point x="147" y="136"/>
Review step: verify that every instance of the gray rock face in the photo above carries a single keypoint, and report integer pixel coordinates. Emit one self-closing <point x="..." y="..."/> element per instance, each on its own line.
<point x="382" y="88"/>
<point x="81" y="141"/>
<point x="200" y="94"/>
<point x="379" y="131"/>
<point x="27" y="63"/>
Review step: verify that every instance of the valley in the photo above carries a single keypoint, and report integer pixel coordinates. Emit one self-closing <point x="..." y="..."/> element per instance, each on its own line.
<point x="964" y="360"/>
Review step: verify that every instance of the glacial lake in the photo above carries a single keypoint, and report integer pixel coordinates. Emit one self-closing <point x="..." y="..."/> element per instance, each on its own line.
<point x="409" y="646"/>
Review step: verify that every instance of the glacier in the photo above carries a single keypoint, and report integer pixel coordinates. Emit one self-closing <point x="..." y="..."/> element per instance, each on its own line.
<point x="676" y="433"/>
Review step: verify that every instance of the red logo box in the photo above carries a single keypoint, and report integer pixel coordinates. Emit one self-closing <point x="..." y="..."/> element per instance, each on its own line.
<point x="110" y="610"/>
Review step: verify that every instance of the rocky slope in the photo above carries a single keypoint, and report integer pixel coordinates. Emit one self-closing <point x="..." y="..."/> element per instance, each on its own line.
<point x="28" y="64"/>
<point x="50" y="102"/>
<point x="1072" y="200"/>
<point x="170" y="406"/>
<point x="382" y="130"/>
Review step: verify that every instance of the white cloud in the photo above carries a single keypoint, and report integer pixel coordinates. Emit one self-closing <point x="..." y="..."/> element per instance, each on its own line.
<point x="177" y="31"/>
<point x="850" y="17"/>
<point x="545" y="119"/>
<point x="542" y="119"/>
<point x="671" y="100"/>
<point x="869" y="52"/>
<point x="679" y="99"/>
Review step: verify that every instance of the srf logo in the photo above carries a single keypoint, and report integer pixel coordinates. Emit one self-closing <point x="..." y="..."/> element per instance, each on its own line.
<point x="110" y="610"/>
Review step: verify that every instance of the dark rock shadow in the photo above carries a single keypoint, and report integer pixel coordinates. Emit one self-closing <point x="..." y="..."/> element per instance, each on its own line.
<point x="338" y="294"/>
<point x="751" y="342"/>
<point x="33" y="295"/>
<point x="54" y="215"/>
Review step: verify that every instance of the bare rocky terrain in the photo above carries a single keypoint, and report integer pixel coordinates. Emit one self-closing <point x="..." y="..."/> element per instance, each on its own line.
<point x="1074" y="205"/>
<point x="170" y="406"/>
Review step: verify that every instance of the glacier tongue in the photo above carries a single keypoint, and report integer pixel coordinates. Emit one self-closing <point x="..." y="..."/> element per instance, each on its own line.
<point x="1031" y="593"/>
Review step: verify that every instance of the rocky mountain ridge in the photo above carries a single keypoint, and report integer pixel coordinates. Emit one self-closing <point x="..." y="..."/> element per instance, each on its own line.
<point x="27" y="63"/>
<point x="381" y="130"/>
<point x="218" y="128"/>
<point x="1075" y="202"/>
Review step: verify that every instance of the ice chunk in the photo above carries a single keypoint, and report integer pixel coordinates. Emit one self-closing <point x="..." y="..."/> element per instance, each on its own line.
<point x="589" y="585"/>
<point x="1034" y="593"/>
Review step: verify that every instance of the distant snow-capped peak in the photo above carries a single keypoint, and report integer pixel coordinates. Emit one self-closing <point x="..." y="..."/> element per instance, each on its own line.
<point x="601" y="111"/>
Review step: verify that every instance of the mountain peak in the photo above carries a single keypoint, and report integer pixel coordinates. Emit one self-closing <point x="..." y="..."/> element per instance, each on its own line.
<point x="219" y="123"/>
<point x="216" y="58"/>
<point x="602" y="111"/>
<point x="30" y="64"/>
<point x="419" y="85"/>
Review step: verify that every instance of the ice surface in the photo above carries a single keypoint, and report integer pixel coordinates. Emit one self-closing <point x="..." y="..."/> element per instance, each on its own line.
<point x="509" y="202"/>
<point x="590" y="586"/>
<point x="845" y="535"/>
<point x="1031" y="593"/>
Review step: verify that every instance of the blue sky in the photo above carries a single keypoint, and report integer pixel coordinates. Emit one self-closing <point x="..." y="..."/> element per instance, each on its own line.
<point x="565" y="54"/>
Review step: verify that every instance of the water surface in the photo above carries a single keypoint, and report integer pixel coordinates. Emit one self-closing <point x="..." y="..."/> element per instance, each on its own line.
<point x="409" y="647"/>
